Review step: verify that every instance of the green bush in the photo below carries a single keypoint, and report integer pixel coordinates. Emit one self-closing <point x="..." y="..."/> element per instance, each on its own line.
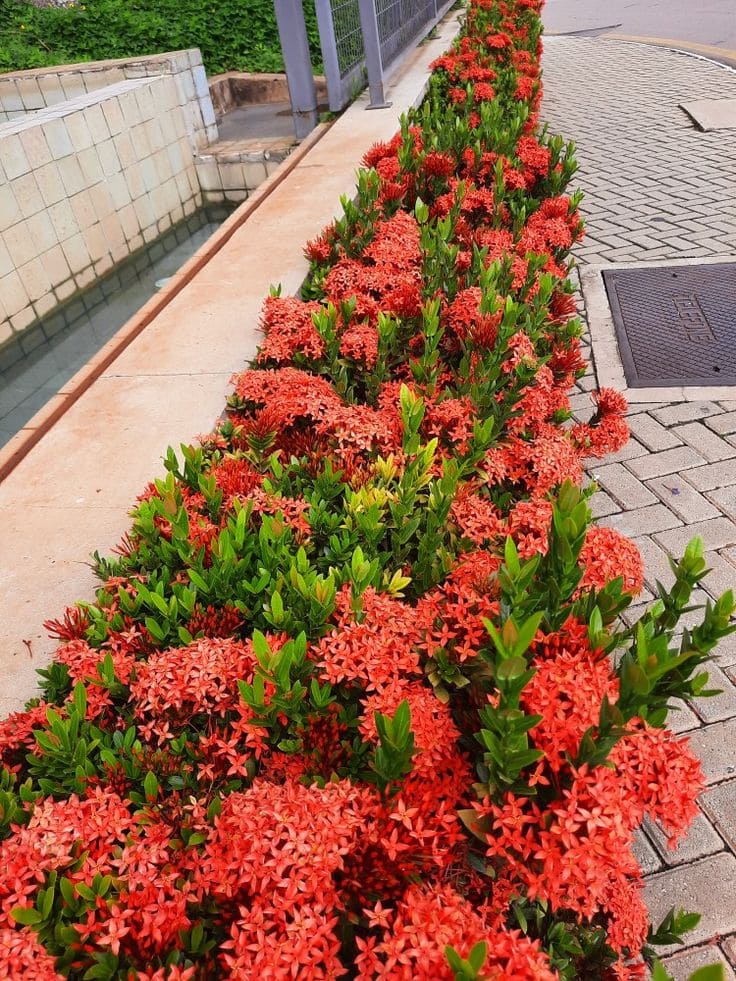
<point x="232" y="34"/>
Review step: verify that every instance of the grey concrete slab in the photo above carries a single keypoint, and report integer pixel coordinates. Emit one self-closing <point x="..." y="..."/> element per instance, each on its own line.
<point x="712" y="114"/>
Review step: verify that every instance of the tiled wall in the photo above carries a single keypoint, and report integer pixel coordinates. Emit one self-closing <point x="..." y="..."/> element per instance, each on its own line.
<point x="231" y="174"/>
<point x="84" y="183"/>
<point x="28" y="91"/>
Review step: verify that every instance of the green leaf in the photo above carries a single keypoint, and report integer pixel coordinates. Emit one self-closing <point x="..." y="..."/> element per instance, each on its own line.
<point x="150" y="786"/>
<point x="28" y="917"/>
<point x="711" y="972"/>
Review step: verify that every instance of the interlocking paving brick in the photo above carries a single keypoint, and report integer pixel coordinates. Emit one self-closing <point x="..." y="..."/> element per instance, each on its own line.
<point x="651" y="433"/>
<point x="656" y="562"/>
<point x="682" y="718"/>
<point x="694" y="617"/>
<point x="724" y="424"/>
<point x="712" y="476"/>
<point x="623" y="486"/>
<point x="707" y="443"/>
<point x="581" y="405"/>
<point x="722" y="575"/>
<point x="632" y="448"/>
<point x="719" y="803"/>
<point x="706" y="886"/>
<point x="667" y="461"/>
<point x="601" y="504"/>
<point x="729" y="949"/>
<point x="633" y="613"/>
<point x="656" y="189"/>
<point x="701" y="840"/>
<point x="725" y="655"/>
<point x="645" y="854"/>
<point x="643" y="521"/>
<point x="716" y="533"/>
<point x="682" y="966"/>
<point x="714" y="745"/>
<point x="685" y="412"/>
<point x="725" y="499"/>
<point x="717" y="707"/>
<point x="682" y="498"/>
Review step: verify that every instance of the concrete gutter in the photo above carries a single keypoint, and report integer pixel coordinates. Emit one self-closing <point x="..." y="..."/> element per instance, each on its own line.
<point x="25" y="439"/>
<point x="165" y="379"/>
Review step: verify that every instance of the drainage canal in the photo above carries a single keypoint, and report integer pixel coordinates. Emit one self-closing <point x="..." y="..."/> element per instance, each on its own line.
<point x="34" y="367"/>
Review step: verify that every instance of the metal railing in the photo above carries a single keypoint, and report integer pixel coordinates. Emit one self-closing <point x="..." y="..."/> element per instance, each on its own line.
<point x="343" y="51"/>
<point x="366" y="38"/>
<point x="361" y="40"/>
<point x="401" y="23"/>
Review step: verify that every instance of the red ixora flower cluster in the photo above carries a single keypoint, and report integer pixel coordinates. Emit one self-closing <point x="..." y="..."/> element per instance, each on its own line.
<point x="274" y="746"/>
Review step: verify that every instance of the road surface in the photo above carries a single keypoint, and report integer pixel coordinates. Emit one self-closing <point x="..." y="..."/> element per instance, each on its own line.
<point x="710" y="22"/>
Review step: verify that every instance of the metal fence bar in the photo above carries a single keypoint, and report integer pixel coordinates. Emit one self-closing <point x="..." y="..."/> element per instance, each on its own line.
<point x="437" y="11"/>
<point x="295" y="49"/>
<point x="372" y="47"/>
<point x="360" y="37"/>
<point x="330" y="58"/>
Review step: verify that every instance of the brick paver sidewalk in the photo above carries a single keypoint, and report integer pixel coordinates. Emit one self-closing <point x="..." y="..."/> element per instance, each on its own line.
<point x="657" y="188"/>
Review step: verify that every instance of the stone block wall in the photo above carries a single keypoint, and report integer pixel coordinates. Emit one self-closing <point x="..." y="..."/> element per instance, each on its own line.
<point x="84" y="183"/>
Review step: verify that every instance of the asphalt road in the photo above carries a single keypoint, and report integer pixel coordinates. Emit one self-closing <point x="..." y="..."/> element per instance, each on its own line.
<point x="702" y="21"/>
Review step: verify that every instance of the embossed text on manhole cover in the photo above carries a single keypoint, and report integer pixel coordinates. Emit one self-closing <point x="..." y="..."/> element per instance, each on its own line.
<point x="675" y="325"/>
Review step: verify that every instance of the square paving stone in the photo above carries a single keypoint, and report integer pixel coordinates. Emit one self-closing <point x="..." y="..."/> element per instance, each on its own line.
<point x="711" y="114"/>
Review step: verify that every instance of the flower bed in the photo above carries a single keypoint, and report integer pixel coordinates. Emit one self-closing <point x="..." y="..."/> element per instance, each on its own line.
<point x="346" y="703"/>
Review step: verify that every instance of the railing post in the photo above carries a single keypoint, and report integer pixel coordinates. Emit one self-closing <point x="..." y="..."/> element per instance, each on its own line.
<point x="295" y="48"/>
<point x="328" y="44"/>
<point x="373" y="61"/>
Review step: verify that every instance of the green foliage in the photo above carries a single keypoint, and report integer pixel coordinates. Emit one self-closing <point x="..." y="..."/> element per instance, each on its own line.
<point x="232" y="34"/>
<point x="672" y="929"/>
<point x="393" y="755"/>
<point x="469" y="968"/>
<point x="504" y="735"/>
<point x="711" y="972"/>
<point x="653" y="671"/>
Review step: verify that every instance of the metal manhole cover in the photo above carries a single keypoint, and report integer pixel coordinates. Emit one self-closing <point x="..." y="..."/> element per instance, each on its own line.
<point x="675" y="325"/>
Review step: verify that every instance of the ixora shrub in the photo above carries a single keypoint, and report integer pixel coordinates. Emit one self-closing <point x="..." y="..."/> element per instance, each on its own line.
<point x="354" y="699"/>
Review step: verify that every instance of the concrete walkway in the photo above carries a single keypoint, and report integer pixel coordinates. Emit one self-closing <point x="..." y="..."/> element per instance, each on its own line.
<point x="71" y="494"/>
<point x="656" y="188"/>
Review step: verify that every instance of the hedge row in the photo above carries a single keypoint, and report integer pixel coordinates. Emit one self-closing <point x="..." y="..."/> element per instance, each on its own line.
<point x="233" y="35"/>
<point x="354" y="698"/>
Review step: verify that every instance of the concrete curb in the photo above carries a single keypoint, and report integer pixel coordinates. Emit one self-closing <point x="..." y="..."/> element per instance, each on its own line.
<point x="722" y="56"/>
